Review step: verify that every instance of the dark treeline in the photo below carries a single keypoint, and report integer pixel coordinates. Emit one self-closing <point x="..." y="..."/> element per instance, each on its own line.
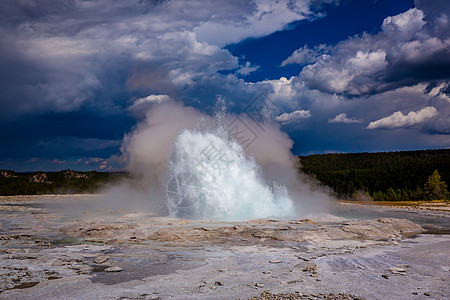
<point x="388" y="176"/>
<point x="63" y="182"/>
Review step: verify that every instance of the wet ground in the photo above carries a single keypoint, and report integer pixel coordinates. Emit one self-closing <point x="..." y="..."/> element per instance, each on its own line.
<point x="68" y="247"/>
<point x="434" y="217"/>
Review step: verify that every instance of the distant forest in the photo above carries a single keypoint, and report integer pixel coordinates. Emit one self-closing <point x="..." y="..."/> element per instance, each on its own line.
<point x="384" y="176"/>
<point x="63" y="182"/>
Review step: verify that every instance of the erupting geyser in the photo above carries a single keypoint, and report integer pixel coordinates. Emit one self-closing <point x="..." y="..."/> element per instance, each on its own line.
<point x="210" y="177"/>
<point x="189" y="165"/>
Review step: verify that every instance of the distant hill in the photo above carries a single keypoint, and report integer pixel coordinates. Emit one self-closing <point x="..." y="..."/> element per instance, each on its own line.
<point x="383" y="175"/>
<point x="63" y="182"/>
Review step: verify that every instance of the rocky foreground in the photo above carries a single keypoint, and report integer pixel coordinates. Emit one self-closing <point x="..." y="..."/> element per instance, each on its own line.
<point x="62" y="248"/>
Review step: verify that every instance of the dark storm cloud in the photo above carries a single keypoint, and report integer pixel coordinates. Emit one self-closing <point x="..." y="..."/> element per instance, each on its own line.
<point x="66" y="55"/>
<point x="71" y="69"/>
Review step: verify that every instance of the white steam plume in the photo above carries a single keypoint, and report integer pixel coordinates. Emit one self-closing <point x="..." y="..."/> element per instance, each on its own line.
<point x="148" y="147"/>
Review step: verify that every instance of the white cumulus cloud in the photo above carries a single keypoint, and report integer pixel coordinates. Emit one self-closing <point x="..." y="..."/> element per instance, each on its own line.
<point x="342" y="118"/>
<point x="142" y="105"/>
<point x="306" y="55"/>
<point x="399" y="120"/>
<point x="247" y="69"/>
<point x="404" y="25"/>
<point x="412" y="47"/>
<point x="152" y="99"/>
<point x="254" y="19"/>
<point x="294" y="116"/>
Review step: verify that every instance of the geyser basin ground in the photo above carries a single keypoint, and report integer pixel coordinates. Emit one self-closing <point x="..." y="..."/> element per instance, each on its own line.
<point x="58" y="247"/>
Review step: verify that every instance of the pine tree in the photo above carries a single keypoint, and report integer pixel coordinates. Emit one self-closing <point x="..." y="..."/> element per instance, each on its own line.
<point x="391" y="194"/>
<point x="435" y="189"/>
<point x="378" y="196"/>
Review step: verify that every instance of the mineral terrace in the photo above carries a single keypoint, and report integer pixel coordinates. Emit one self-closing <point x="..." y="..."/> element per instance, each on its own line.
<point x="61" y="247"/>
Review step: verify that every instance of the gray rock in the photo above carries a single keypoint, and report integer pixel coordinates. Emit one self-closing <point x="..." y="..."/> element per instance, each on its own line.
<point x="113" y="269"/>
<point x="100" y="259"/>
<point x="397" y="270"/>
<point x="275" y="261"/>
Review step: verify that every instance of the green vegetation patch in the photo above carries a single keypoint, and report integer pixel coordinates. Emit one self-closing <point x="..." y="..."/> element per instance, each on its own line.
<point x="63" y="182"/>
<point x="385" y="176"/>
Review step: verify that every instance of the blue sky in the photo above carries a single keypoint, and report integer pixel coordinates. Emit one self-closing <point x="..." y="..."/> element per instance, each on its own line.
<point x="78" y="76"/>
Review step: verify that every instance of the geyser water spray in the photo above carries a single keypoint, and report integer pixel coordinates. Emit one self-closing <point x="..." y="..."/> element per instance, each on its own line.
<point x="211" y="178"/>
<point x="193" y="169"/>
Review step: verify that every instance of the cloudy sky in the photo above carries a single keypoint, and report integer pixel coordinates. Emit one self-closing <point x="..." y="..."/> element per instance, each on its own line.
<point x="345" y="75"/>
